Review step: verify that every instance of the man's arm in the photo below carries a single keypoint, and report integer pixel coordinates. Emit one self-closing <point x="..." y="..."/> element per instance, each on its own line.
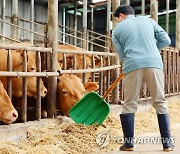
<point x="161" y="36"/>
<point x="118" y="47"/>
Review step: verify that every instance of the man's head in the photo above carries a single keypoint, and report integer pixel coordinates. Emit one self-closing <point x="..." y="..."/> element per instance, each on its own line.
<point x="122" y="11"/>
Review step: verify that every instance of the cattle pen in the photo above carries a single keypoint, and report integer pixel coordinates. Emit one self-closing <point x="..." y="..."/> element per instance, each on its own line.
<point x="75" y="26"/>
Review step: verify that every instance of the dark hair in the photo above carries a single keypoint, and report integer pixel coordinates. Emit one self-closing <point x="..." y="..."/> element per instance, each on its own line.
<point x="124" y="9"/>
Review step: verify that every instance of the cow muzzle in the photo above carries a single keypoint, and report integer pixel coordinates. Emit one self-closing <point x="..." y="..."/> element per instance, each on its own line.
<point x="11" y="117"/>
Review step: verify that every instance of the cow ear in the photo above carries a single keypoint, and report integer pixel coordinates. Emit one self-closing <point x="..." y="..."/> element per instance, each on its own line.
<point x="60" y="61"/>
<point x="91" y="86"/>
<point x="1" y="86"/>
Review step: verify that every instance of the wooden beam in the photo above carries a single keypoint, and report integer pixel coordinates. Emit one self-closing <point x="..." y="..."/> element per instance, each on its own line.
<point x="167" y="16"/>
<point x="52" y="36"/>
<point x="154" y="10"/>
<point x="115" y="4"/>
<point x="143" y="7"/>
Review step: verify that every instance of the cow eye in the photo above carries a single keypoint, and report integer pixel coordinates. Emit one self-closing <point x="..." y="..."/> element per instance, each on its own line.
<point x="83" y="93"/>
<point x="64" y="92"/>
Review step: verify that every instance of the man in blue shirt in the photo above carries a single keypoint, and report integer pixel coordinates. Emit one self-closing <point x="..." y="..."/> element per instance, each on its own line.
<point x="137" y="41"/>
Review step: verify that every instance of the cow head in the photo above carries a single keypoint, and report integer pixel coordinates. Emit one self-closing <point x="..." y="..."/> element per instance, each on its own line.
<point x="70" y="90"/>
<point x="17" y="63"/>
<point x="31" y="81"/>
<point x="8" y="114"/>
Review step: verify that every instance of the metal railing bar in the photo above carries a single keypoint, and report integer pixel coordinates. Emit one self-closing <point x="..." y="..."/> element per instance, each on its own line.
<point x="16" y="47"/>
<point x="81" y="51"/>
<point x="85" y="40"/>
<point x="21" y="28"/>
<point x="10" y="38"/>
<point x="55" y="74"/>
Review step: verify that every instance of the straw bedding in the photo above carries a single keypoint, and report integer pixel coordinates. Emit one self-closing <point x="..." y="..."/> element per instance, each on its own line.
<point x="62" y="137"/>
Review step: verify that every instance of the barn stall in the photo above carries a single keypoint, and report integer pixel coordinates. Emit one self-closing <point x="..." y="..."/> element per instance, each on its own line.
<point x="93" y="40"/>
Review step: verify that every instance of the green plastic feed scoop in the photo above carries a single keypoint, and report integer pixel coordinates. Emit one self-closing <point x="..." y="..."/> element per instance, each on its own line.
<point x="92" y="108"/>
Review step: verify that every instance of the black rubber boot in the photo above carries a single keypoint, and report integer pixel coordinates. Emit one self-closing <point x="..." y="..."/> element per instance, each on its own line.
<point x="164" y="127"/>
<point x="127" y="122"/>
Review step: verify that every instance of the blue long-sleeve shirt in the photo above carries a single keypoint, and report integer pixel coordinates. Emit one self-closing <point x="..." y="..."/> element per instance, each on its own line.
<point x="137" y="41"/>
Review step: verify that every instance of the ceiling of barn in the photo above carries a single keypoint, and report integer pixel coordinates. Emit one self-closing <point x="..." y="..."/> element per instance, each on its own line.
<point x="102" y="4"/>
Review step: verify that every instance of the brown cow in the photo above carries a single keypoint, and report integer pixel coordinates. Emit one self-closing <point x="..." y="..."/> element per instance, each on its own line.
<point x="17" y="60"/>
<point x="79" y="59"/>
<point x="70" y="90"/>
<point x="8" y="114"/>
<point x="31" y="67"/>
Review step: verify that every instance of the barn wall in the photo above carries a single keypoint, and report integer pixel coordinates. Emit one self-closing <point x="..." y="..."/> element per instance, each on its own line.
<point x="40" y="15"/>
<point x="8" y="13"/>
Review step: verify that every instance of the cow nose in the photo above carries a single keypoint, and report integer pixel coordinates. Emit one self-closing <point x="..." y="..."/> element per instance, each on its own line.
<point x="15" y="115"/>
<point x="45" y="92"/>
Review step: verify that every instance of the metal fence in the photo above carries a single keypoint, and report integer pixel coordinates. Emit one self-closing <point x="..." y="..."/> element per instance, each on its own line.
<point x="101" y="74"/>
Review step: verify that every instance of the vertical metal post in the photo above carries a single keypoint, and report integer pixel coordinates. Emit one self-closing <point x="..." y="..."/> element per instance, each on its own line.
<point x="32" y="20"/>
<point x="143" y="7"/>
<point x="9" y="79"/>
<point x="101" y="77"/>
<point x="154" y="10"/>
<point x="92" y="27"/>
<point x="115" y="92"/>
<point x="108" y="24"/>
<point x="38" y="87"/>
<point x="167" y="16"/>
<point x="44" y="54"/>
<point x="128" y="2"/>
<point x="64" y="24"/>
<point x="24" y="89"/>
<point x="14" y="30"/>
<point x="84" y="67"/>
<point x="75" y="22"/>
<point x="3" y="18"/>
<point x="178" y="24"/>
<point x="52" y="36"/>
<point x="93" y="66"/>
<point x="108" y="76"/>
<point x="84" y="23"/>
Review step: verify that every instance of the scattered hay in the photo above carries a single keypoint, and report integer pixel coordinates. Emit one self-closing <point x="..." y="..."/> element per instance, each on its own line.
<point x="59" y="137"/>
